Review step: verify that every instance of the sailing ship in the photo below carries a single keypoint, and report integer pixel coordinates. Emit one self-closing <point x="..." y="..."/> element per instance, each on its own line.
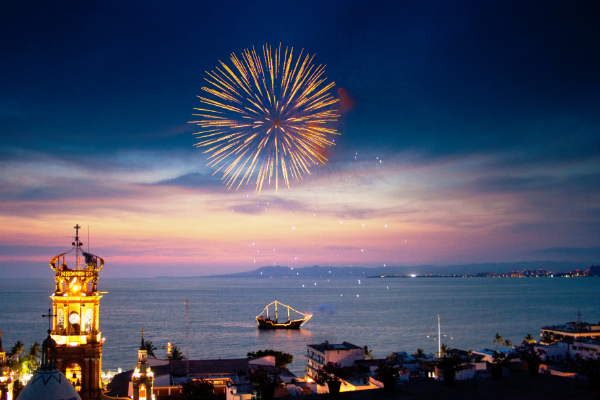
<point x="266" y="322"/>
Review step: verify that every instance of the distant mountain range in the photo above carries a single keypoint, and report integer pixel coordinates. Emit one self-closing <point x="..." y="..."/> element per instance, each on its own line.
<point x="317" y="271"/>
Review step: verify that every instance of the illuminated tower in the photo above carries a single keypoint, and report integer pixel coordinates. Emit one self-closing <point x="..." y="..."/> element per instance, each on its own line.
<point x="142" y="377"/>
<point x="6" y="382"/>
<point x="76" y="319"/>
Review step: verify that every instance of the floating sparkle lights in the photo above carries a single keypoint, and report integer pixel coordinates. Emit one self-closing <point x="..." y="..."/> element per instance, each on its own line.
<point x="269" y="112"/>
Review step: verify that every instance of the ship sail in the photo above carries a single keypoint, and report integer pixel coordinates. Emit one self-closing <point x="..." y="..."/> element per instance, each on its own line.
<point x="265" y="322"/>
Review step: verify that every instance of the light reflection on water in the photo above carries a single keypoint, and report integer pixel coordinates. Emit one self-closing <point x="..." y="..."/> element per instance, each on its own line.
<point x="222" y="312"/>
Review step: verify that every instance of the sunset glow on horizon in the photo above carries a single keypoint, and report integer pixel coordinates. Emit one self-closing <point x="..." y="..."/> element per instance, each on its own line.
<point x="461" y="141"/>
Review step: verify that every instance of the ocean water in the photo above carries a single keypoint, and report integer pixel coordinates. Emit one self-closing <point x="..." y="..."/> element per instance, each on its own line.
<point x="388" y="315"/>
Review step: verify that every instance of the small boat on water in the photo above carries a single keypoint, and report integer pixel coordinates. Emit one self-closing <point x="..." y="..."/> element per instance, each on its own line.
<point x="266" y="322"/>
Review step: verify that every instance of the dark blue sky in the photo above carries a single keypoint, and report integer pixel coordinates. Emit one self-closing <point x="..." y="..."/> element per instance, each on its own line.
<point x="447" y="77"/>
<point x="502" y="97"/>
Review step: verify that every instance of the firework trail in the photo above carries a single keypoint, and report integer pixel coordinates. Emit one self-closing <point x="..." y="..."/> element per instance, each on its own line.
<point x="269" y="112"/>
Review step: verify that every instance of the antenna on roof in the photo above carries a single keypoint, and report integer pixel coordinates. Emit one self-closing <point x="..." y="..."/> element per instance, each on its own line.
<point x="578" y="316"/>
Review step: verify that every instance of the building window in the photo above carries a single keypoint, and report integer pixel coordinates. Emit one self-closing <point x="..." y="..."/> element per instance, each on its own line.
<point x="61" y="319"/>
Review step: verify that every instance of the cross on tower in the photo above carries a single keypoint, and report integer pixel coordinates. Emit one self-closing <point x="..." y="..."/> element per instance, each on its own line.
<point x="77" y="230"/>
<point x="142" y="333"/>
<point x="49" y="316"/>
<point x="1" y="332"/>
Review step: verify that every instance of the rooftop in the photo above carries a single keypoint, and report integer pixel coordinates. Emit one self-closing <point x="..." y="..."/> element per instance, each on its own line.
<point x="491" y="352"/>
<point x="197" y="368"/>
<point x="517" y="385"/>
<point x="326" y="346"/>
<point x="574" y="327"/>
<point x="210" y="367"/>
<point x="402" y="356"/>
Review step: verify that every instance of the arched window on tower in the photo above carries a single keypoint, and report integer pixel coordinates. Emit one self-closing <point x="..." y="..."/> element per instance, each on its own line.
<point x="73" y="374"/>
<point x="88" y="320"/>
<point x="61" y="319"/>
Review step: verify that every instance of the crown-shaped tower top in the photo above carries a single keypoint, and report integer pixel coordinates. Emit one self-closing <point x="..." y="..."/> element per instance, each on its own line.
<point x="80" y="278"/>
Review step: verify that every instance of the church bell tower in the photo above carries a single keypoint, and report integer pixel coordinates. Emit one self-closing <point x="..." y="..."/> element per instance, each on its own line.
<point x="76" y="318"/>
<point x="142" y="377"/>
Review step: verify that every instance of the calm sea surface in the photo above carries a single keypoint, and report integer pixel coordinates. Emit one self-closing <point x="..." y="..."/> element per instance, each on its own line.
<point x="385" y="314"/>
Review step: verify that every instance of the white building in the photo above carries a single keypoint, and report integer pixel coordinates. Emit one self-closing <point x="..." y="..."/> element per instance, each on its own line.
<point x="573" y="339"/>
<point x="579" y="348"/>
<point x="318" y="355"/>
<point x="572" y="331"/>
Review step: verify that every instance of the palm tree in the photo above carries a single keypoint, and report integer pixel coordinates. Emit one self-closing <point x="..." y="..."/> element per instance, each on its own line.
<point x="498" y="340"/>
<point x="529" y="338"/>
<point x="548" y="338"/>
<point x="368" y="353"/>
<point x="443" y="350"/>
<point x="34" y="352"/>
<point x="176" y="354"/>
<point x="420" y="353"/>
<point x="150" y="348"/>
<point x="508" y="344"/>
<point x="32" y="359"/>
<point x="17" y="349"/>
<point x="281" y="359"/>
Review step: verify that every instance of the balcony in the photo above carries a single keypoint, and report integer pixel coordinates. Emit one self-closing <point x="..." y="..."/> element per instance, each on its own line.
<point x="315" y="359"/>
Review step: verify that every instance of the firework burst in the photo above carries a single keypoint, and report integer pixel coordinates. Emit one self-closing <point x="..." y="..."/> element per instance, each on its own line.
<point x="268" y="114"/>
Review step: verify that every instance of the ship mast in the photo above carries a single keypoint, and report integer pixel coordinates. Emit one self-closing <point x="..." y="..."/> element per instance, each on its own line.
<point x="275" y="309"/>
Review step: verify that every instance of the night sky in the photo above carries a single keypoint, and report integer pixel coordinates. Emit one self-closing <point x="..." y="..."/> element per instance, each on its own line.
<point x="470" y="133"/>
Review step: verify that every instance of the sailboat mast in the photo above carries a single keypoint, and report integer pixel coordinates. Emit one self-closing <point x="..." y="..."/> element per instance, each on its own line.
<point x="439" y="338"/>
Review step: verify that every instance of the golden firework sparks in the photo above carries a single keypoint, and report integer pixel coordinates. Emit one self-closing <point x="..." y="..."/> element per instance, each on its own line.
<point x="270" y="112"/>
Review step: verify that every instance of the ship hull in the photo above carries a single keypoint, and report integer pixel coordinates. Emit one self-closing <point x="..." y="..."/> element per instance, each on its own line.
<point x="264" y="323"/>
